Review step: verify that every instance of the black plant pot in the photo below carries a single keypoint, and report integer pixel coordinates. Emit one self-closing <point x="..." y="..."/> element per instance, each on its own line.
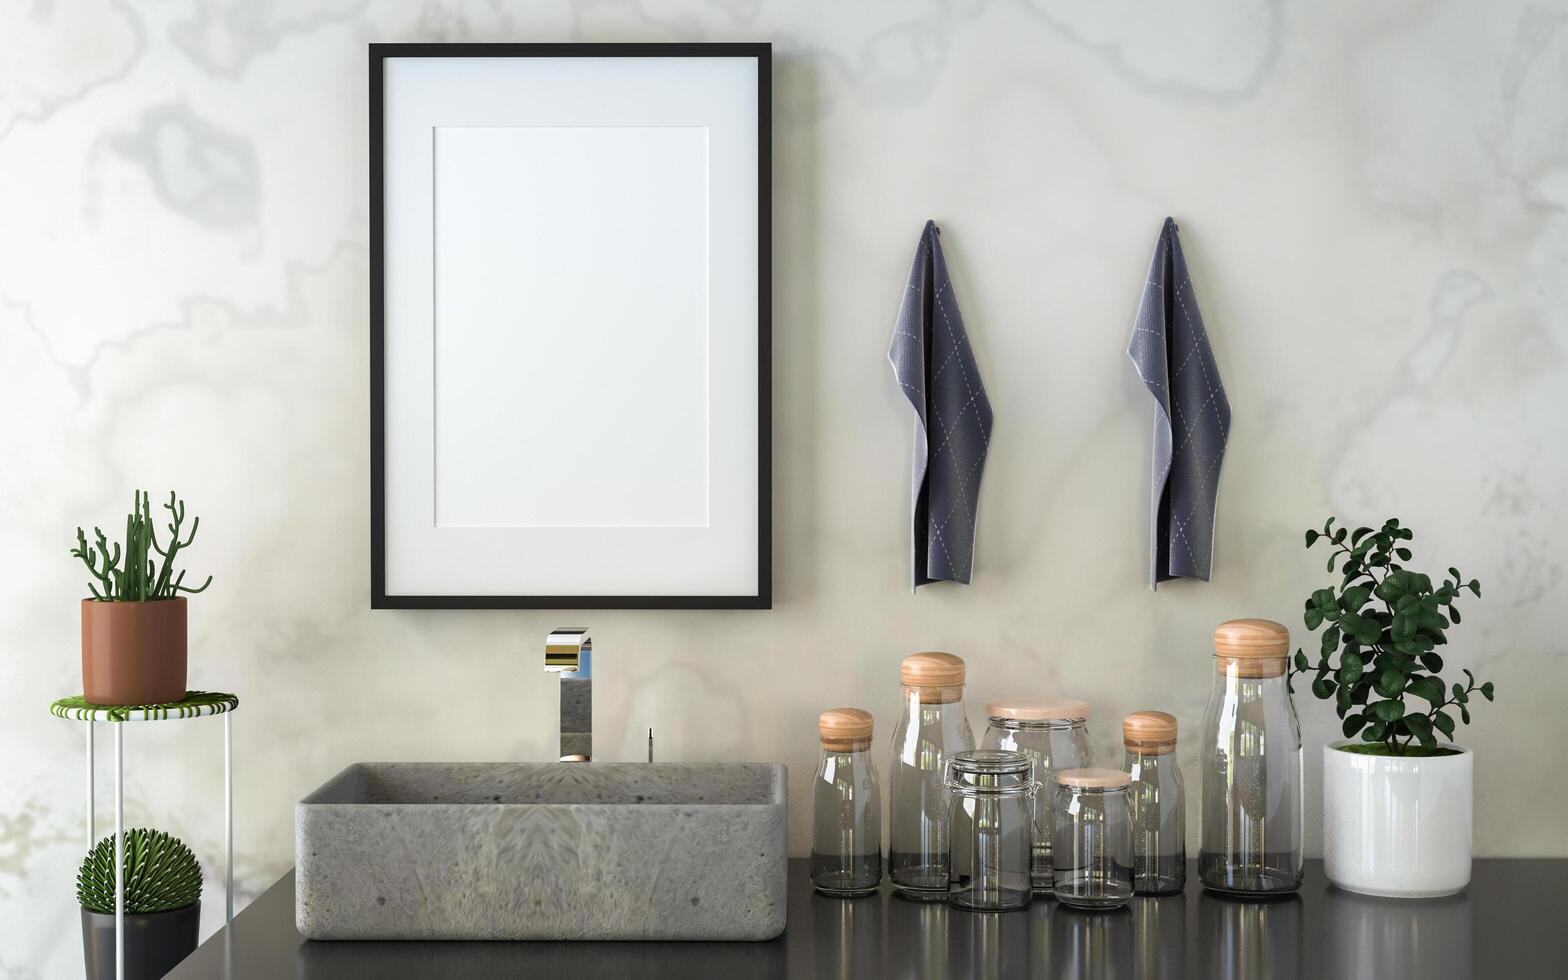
<point x="154" y="942"/>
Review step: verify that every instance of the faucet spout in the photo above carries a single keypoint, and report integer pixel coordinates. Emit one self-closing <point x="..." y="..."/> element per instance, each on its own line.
<point x="569" y="652"/>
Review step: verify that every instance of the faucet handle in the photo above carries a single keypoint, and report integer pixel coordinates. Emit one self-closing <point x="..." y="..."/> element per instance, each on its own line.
<point x="567" y="648"/>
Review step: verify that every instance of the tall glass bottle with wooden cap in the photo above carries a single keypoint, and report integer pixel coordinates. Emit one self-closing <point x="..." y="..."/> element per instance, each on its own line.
<point x="846" y="845"/>
<point x="1157" y="802"/>
<point x="931" y="728"/>
<point x="1252" y="778"/>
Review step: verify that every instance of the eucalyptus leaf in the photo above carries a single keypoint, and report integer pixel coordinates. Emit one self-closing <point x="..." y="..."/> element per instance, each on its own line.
<point x="1421" y="727"/>
<point x="1343" y="699"/>
<point x="1390" y="683"/>
<point x="1389" y="711"/>
<point x="1429" y="688"/>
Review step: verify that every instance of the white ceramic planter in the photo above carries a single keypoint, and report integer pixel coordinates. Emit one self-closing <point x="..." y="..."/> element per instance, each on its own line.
<point x="1397" y="827"/>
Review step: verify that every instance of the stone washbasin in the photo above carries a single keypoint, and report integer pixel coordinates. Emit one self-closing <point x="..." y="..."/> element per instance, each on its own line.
<point x="577" y="850"/>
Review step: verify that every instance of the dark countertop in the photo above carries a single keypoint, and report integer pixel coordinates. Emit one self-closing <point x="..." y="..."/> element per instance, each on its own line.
<point x="1506" y="923"/>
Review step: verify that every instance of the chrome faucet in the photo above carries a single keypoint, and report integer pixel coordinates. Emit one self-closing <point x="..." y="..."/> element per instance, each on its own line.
<point x="569" y="652"/>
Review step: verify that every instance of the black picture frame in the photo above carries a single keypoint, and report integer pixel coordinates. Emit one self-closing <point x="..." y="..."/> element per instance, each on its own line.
<point x="379" y="53"/>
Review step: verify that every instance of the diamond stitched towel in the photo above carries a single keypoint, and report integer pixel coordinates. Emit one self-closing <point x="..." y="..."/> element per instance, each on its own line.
<point x="1170" y="349"/>
<point x="936" y="368"/>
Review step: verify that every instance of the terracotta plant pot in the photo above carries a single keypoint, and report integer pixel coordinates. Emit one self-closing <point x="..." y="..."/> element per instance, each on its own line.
<point x="133" y="652"/>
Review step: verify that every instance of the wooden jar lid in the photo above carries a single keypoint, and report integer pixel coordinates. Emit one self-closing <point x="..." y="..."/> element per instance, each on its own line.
<point x="842" y="729"/>
<point x="932" y="670"/>
<point x="1038" y="709"/>
<point x="1093" y="778"/>
<point x="1251" y="639"/>
<point x="1150" y="731"/>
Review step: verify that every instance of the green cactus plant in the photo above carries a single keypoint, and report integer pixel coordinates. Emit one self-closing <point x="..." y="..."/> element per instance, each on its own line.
<point x="130" y="574"/>
<point x="161" y="874"/>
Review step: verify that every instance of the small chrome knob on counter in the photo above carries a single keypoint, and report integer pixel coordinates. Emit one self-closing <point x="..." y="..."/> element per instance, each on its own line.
<point x="568" y="651"/>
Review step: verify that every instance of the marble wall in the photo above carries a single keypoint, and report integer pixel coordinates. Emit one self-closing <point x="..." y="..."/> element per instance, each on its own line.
<point x="1372" y="200"/>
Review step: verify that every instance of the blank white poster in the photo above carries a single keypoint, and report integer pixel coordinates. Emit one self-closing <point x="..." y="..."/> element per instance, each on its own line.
<point x="571" y="326"/>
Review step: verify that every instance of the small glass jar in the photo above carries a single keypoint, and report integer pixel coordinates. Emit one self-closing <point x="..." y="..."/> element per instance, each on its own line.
<point x="846" y="842"/>
<point x="931" y="729"/>
<point x="1053" y="733"/>
<point x="1252" y="779"/>
<point x="991" y="823"/>
<point x="1157" y="803"/>
<point x="1092" y="845"/>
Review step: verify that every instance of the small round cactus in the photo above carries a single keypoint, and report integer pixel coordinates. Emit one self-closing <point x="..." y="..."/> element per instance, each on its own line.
<point x="161" y="874"/>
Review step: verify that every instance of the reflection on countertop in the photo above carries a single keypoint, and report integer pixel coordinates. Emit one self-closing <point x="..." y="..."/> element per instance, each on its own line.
<point x="1508" y="915"/>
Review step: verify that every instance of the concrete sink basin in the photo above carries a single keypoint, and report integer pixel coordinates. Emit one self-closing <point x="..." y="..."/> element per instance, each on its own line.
<point x="587" y="850"/>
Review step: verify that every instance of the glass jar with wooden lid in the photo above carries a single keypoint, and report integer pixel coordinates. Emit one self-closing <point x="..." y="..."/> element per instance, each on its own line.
<point x="1092" y="841"/>
<point x="932" y="727"/>
<point x="1052" y="733"/>
<point x="846" y="842"/>
<point x="1157" y="803"/>
<point x="1252" y="774"/>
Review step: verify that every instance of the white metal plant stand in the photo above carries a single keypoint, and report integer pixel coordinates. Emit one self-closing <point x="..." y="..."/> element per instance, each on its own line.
<point x="195" y="705"/>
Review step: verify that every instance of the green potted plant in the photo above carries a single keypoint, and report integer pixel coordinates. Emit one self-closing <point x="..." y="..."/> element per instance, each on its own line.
<point x="162" y="905"/>
<point x="1396" y="803"/>
<point x="133" y="625"/>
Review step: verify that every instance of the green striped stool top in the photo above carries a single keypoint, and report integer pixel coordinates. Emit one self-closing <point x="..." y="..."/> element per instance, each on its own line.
<point x="193" y="705"/>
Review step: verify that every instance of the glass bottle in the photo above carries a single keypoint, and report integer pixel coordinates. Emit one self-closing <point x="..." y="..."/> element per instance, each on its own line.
<point x="1157" y="803"/>
<point x="1252" y="778"/>
<point x="931" y="729"/>
<point x="991" y="822"/>
<point x="1092" y="851"/>
<point x="846" y="842"/>
<point x="1053" y="733"/>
